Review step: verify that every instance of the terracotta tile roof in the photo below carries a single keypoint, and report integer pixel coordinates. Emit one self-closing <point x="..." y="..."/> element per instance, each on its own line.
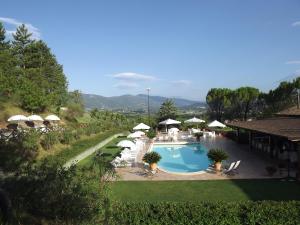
<point x="287" y="127"/>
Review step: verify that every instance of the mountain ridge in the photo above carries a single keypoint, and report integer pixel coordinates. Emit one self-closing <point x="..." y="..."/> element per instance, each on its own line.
<point x="134" y="102"/>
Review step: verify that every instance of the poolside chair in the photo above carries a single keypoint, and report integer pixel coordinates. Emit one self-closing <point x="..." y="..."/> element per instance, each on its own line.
<point x="236" y="166"/>
<point x="230" y="168"/>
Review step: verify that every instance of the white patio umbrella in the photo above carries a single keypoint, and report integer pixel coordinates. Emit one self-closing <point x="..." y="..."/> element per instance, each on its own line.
<point x="52" y="118"/>
<point x="134" y="135"/>
<point x="216" y="123"/>
<point x="194" y="120"/>
<point x="35" y="118"/>
<point x="169" y="122"/>
<point x="126" y="144"/>
<point x="141" y="126"/>
<point x="17" y="118"/>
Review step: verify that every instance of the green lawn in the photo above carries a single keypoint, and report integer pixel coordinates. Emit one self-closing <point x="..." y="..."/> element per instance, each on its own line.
<point x="79" y="146"/>
<point x="194" y="191"/>
<point x="110" y="149"/>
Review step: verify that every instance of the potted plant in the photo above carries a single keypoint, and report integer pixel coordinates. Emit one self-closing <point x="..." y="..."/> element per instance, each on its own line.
<point x="198" y="136"/>
<point x="152" y="158"/>
<point x="271" y="170"/>
<point x="217" y="155"/>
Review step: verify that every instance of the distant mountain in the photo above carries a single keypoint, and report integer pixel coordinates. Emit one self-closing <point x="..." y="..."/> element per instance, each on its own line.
<point x="134" y="102"/>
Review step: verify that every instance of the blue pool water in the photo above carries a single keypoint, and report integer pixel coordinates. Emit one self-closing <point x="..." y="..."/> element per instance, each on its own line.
<point x="182" y="158"/>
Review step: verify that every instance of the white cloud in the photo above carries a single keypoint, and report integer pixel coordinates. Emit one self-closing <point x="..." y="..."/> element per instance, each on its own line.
<point x="126" y="85"/>
<point x="15" y="23"/>
<point x="295" y="24"/>
<point x="129" y="76"/>
<point x="293" y="62"/>
<point x="181" y="82"/>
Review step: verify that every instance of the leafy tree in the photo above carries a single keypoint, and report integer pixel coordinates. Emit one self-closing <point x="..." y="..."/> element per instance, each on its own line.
<point x="218" y="100"/>
<point x="244" y="99"/>
<point x="167" y="110"/>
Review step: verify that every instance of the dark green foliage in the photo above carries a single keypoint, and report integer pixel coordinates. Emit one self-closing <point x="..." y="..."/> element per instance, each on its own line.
<point x="251" y="213"/>
<point x="50" y="139"/>
<point x="151" y="157"/>
<point x="217" y="155"/>
<point x="151" y="134"/>
<point x="18" y="150"/>
<point x="218" y="100"/>
<point x="66" y="137"/>
<point x="167" y="110"/>
<point x="49" y="192"/>
<point x="30" y="141"/>
<point x="30" y="71"/>
<point x="198" y="136"/>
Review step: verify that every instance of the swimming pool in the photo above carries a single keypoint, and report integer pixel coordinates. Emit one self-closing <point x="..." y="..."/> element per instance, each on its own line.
<point x="188" y="158"/>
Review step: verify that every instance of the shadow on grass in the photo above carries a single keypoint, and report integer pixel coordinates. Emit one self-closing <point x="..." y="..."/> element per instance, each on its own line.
<point x="269" y="189"/>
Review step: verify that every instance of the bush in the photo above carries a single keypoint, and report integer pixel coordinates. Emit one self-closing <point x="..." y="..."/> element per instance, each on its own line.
<point x="30" y="141"/>
<point x="151" y="157"/>
<point x="50" y="139"/>
<point x="66" y="137"/>
<point x="217" y="155"/>
<point x="265" y="212"/>
<point x="151" y="134"/>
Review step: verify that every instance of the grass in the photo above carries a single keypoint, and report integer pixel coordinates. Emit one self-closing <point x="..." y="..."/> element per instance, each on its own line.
<point x="110" y="151"/>
<point x="79" y="146"/>
<point x="195" y="191"/>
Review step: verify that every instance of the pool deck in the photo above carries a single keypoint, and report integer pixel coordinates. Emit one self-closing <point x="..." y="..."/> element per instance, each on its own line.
<point x="252" y="164"/>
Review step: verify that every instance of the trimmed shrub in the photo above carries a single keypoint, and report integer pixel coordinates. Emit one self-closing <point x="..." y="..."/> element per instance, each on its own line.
<point x="203" y="213"/>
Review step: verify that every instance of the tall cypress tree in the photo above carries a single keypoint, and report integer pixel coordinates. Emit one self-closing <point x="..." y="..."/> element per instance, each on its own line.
<point x="3" y="44"/>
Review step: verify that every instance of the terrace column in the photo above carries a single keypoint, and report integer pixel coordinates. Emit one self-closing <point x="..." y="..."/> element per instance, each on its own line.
<point x="298" y="170"/>
<point x="250" y="139"/>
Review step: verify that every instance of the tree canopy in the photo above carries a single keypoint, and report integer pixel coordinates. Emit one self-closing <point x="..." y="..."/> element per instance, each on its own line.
<point x="167" y="110"/>
<point x="30" y="72"/>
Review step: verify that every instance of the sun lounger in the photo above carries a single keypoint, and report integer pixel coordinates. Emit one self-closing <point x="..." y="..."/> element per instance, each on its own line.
<point x="236" y="166"/>
<point x="230" y="168"/>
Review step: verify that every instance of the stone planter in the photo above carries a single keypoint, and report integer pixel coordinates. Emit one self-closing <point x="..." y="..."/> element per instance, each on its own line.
<point x="218" y="166"/>
<point x="153" y="166"/>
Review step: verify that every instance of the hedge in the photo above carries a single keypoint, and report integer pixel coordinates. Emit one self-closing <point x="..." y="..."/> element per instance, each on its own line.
<point x="206" y="213"/>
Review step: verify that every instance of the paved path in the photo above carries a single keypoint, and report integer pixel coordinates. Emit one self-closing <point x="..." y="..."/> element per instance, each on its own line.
<point x="90" y="151"/>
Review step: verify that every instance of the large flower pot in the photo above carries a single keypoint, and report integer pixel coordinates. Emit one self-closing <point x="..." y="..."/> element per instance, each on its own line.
<point x="153" y="166"/>
<point x="218" y="166"/>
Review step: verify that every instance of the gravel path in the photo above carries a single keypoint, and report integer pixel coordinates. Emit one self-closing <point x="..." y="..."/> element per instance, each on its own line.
<point x="90" y="151"/>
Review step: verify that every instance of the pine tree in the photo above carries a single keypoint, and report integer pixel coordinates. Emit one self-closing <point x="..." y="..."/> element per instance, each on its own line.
<point x="22" y="38"/>
<point x="3" y="44"/>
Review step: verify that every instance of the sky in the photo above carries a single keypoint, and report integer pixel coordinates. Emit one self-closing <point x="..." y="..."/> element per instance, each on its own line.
<point x="177" y="48"/>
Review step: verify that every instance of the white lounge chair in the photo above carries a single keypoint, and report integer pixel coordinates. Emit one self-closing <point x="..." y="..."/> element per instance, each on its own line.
<point x="236" y="166"/>
<point x="230" y="168"/>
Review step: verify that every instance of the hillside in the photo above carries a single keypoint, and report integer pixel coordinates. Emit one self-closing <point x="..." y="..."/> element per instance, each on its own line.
<point x="133" y="102"/>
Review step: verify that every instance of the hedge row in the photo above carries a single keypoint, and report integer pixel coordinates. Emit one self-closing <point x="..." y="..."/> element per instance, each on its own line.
<point x="221" y="213"/>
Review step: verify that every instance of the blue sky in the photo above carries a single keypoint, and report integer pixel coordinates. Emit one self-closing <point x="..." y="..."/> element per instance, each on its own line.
<point x="177" y="48"/>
